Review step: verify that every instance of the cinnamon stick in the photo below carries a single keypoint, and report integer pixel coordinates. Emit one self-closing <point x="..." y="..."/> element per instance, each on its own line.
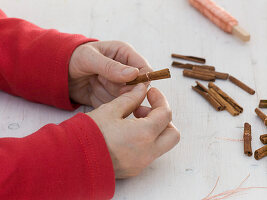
<point x="199" y="75"/>
<point x="226" y="97"/>
<point x="263" y="104"/>
<point x="204" y="67"/>
<point x="203" y="70"/>
<point x="182" y="65"/>
<point x="190" y="58"/>
<point x="203" y="91"/>
<point x="247" y="139"/>
<point x="223" y="102"/>
<point x="151" y="76"/>
<point x="218" y="98"/>
<point x="261" y="115"/>
<point x="263" y="138"/>
<point x="190" y="66"/>
<point x="221" y="75"/>
<point x="218" y="75"/>
<point x="201" y="87"/>
<point x="241" y="85"/>
<point x="260" y="153"/>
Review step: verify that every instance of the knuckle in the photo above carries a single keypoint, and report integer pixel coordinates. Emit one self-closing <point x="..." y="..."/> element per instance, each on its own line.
<point x="110" y="64"/>
<point x="123" y="44"/>
<point x="152" y="127"/>
<point x="86" y="49"/>
<point x="128" y="45"/>
<point x="169" y="113"/>
<point x="120" y="43"/>
<point x="123" y="51"/>
<point x="147" y="136"/>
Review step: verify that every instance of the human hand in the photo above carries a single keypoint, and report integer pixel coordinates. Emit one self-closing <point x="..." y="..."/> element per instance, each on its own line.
<point x="134" y="143"/>
<point x="98" y="71"/>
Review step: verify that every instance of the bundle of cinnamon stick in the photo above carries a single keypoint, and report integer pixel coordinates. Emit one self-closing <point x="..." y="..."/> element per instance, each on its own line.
<point x="218" y="98"/>
<point x="206" y="72"/>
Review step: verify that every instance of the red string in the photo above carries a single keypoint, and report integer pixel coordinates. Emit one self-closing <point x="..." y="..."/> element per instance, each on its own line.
<point x="229" y="193"/>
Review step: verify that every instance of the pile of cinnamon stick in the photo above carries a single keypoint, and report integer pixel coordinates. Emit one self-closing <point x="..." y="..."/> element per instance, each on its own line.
<point x="218" y="98"/>
<point x="213" y="94"/>
<point x="221" y="100"/>
<point x="206" y="72"/>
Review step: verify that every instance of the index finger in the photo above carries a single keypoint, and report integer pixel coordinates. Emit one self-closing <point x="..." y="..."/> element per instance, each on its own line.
<point x="132" y="58"/>
<point x="138" y="61"/>
<point x="160" y="115"/>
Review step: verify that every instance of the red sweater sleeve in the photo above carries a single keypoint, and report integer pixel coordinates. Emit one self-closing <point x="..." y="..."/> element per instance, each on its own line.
<point x="34" y="61"/>
<point x="67" y="161"/>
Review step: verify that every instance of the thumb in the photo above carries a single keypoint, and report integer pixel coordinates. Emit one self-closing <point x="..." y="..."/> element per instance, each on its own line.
<point x="114" y="71"/>
<point x="125" y="104"/>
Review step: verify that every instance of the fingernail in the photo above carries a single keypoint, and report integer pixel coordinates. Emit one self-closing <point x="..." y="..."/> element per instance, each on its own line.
<point x="129" y="71"/>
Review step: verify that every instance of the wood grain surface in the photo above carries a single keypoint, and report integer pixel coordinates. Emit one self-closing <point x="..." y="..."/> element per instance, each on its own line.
<point x="156" y="29"/>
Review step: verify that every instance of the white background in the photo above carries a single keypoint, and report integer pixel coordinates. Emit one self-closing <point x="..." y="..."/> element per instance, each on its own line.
<point x="156" y="29"/>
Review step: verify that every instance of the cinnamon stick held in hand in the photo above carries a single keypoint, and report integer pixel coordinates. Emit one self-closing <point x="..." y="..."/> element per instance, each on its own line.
<point x="151" y="76"/>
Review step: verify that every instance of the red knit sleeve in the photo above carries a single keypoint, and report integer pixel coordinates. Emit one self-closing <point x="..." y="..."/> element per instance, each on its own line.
<point x="34" y="61"/>
<point x="68" y="161"/>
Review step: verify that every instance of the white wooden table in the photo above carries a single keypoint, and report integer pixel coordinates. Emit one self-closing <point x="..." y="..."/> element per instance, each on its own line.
<point x="156" y="29"/>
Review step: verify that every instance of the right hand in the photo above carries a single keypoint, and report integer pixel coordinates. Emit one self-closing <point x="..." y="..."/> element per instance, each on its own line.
<point x="134" y="143"/>
<point x="98" y="71"/>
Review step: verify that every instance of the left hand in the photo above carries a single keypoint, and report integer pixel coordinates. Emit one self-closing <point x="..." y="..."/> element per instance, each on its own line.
<point x="134" y="143"/>
<point x="98" y="71"/>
